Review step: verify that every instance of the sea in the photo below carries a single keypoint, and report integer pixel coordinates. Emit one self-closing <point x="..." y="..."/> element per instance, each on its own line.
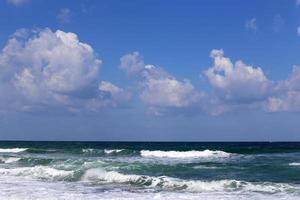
<point x="149" y="170"/>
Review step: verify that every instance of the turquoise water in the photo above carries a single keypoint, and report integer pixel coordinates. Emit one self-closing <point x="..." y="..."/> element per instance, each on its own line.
<point x="130" y="170"/>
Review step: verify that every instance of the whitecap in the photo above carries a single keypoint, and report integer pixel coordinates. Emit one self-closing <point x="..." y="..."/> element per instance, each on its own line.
<point x="43" y="172"/>
<point x="99" y="175"/>
<point x="110" y="151"/>
<point x="10" y="160"/>
<point x="184" y="154"/>
<point x="87" y="150"/>
<point x="13" y="150"/>
<point x="294" y="164"/>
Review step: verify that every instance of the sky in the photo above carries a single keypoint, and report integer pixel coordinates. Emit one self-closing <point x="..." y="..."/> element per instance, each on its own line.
<point x="150" y="70"/>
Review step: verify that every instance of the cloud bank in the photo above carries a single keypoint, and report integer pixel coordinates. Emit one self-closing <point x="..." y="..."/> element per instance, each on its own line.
<point x="53" y="70"/>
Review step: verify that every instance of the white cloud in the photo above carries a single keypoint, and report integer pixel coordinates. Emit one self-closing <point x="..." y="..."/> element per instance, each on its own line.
<point x="237" y="82"/>
<point x="288" y="94"/>
<point x="18" y="2"/>
<point x="158" y="89"/>
<point x="238" y="86"/>
<point x="251" y="24"/>
<point x="292" y="82"/>
<point x="167" y="91"/>
<point x="114" y="92"/>
<point x="298" y="30"/>
<point x="288" y="102"/>
<point x="108" y="95"/>
<point x="64" y="15"/>
<point x="297" y="2"/>
<point x="43" y="68"/>
<point x="132" y="63"/>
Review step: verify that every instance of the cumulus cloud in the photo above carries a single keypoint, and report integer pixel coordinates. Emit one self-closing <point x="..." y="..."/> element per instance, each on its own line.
<point x="114" y="92"/>
<point x="42" y="69"/>
<point x="238" y="86"/>
<point x="298" y="30"/>
<point x="289" y="102"/>
<point x="132" y="63"/>
<point x="45" y="68"/>
<point x="64" y="15"/>
<point x="287" y="97"/>
<point x="164" y="90"/>
<point x="251" y="25"/>
<point x="157" y="88"/>
<point x="18" y="2"/>
<point x="237" y="82"/>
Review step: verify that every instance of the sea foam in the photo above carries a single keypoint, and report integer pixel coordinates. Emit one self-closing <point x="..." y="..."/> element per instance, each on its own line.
<point x="184" y="154"/>
<point x="110" y="151"/>
<point x="174" y="184"/>
<point x="102" y="151"/>
<point x="9" y="160"/>
<point x="294" y="164"/>
<point x="42" y="172"/>
<point x="13" y="150"/>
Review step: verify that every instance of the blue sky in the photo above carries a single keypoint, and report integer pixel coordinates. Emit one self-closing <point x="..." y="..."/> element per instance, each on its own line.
<point x="190" y="70"/>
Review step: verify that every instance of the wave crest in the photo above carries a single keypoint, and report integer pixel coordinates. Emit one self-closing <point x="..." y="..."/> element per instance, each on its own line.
<point x="169" y="183"/>
<point x="294" y="164"/>
<point x="41" y="172"/>
<point x="184" y="154"/>
<point x="13" y="150"/>
<point x="9" y="160"/>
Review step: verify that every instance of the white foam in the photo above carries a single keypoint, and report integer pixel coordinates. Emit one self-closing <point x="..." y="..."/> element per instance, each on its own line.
<point x="87" y="150"/>
<point x="204" y="167"/>
<point x="184" y="154"/>
<point x="110" y="151"/>
<point x="13" y="150"/>
<point x="10" y="160"/>
<point x="169" y="183"/>
<point x="37" y="172"/>
<point x="20" y="189"/>
<point x="294" y="164"/>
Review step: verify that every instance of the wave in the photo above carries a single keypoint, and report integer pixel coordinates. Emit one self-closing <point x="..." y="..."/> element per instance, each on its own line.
<point x="294" y="164"/>
<point x="40" y="151"/>
<point x="168" y="183"/>
<point x="205" y="167"/>
<point x="9" y="160"/>
<point x="184" y="154"/>
<point x="112" y="151"/>
<point x="13" y="150"/>
<point x="108" y="152"/>
<point x="42" y="172"/>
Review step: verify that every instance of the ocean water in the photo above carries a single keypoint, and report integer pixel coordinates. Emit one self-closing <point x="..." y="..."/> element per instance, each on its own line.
<point x="129" y="170"/>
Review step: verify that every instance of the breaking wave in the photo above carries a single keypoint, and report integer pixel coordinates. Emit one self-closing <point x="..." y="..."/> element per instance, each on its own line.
<point x="40" y="172"/>
<point x="111" y="151"/>
<point x="184" y="154"/>
<point x="168" y="183"/>
<point x="13" y="150"/>
<point x="9" y="160"/>
<point x="294" y="164"/>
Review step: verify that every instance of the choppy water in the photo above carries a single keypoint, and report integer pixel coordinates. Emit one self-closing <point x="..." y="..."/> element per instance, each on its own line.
<point x="82" y="170"/>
